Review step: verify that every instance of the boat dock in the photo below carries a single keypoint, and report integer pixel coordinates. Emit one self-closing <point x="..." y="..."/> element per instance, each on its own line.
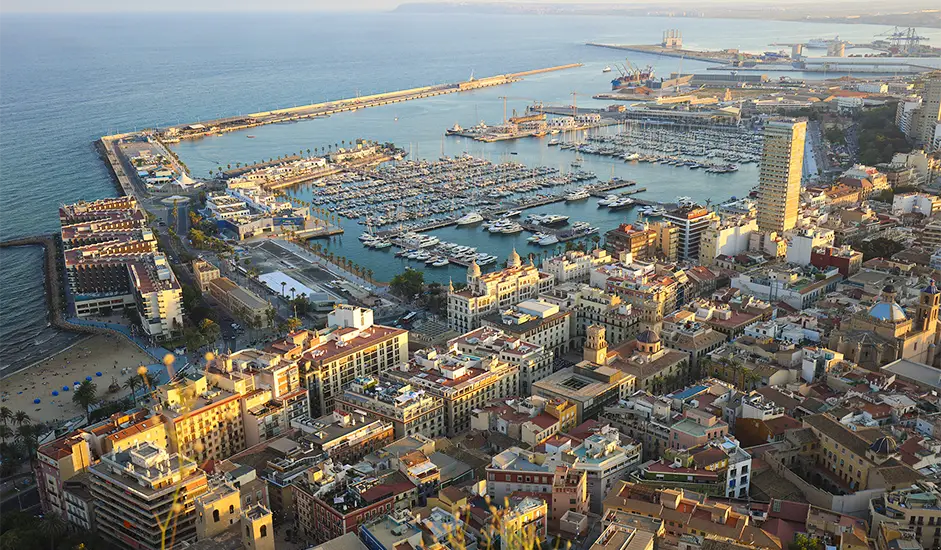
<point x="317" y="110"/>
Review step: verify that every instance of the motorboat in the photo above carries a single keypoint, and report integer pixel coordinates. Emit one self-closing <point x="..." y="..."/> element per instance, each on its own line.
<point x="513" y="213"/>
<point x="622" y="202"/>
<point x="535" y="237"/>
<point x="441" y="262"/>
<point x="554" y="219"/>
<point x="548" y="240"/>
<point x="512" y="229"/>
<point x="469" y="219"/>
<point x="607" y="69"/>
<point x="553" y="142"/>
<point x="578" y="195"/>
<point x="608" y="200"/>
<point x="381" y="244"/>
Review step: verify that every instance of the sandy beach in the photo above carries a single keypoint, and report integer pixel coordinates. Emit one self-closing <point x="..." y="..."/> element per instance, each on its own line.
<point x="112" y="356"/>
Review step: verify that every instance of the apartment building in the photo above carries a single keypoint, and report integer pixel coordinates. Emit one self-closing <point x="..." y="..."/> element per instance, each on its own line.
<point x="58" y="462"/>
<point x="692" y="222"/>
<point x="779" y="181"/>
<point x="575" y="266"/>
<point x="112" y="263"/>
<point x="536" y="321"/>
<point x="729" y="236"/>
<point x="144" y="494"/>
<point x="351" y="346"/>
<point x="463" y="382"/>
<point x="917" y="507"/>
<point x="534" y="361"/>
<point x="492" y="292"/>
<point x="345" y="437"/>
<point x="539" y="474"/>
<point x="684" y="515"/>
<point x="605" y="459"/>
<point x="637" y="239"/>
<point x="332" y="510"/>
<point x="204" y="423"/>
<point x="409" y="410"/>
<point x="243" y="303"/>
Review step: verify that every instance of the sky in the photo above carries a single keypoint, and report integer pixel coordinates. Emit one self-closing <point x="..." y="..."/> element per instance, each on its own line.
<point x="95" y="6"/>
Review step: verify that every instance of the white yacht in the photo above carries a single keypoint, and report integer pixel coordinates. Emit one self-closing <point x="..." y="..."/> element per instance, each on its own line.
<point x="512" y="213"/>
<point x="548" y="240"/>
<point x="578" y="195"/>
<point x="535" y="237"/>
<point x="607" y="69"/>
<point x="511" y="229"/>
<point x="441" y="262"/>
<point x="608" y="200"/>
<point x="469" y="219"/>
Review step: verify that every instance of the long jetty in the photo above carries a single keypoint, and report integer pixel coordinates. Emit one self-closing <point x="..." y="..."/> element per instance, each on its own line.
<point x="706" y="56"/>
<point x="317" y="110"/>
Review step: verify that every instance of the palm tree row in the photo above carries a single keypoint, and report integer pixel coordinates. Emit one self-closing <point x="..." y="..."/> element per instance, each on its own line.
<point x="24" y="438"/>
<point x="342" y="262"/>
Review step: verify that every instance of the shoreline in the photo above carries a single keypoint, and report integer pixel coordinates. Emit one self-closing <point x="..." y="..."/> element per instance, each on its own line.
<point x="4" y="374"/>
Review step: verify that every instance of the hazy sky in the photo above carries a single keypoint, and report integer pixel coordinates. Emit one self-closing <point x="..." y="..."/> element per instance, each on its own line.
<point x="73" y="6"/>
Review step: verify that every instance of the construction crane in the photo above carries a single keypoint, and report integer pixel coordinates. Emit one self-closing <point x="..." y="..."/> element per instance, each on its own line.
<point x="904" y="41"/>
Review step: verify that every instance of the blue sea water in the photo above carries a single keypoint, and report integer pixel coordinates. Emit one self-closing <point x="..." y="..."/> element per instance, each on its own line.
<point x="65" y="80"/>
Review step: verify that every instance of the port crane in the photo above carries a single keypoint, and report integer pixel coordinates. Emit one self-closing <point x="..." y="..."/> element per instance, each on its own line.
<point x="903" y="40"/>
<point x="629" y="69"/>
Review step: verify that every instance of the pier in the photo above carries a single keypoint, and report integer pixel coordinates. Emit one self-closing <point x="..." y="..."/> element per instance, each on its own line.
<point x="316" y="110"/>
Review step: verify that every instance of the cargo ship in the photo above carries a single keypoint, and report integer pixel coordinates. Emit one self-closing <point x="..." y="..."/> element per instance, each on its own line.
<point x="632" y="76"/>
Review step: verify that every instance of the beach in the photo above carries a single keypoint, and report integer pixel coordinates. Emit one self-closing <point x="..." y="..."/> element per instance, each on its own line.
<point x="112" y="356"/>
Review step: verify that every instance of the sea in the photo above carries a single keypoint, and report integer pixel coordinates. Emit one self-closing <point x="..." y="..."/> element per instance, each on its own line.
<point x="65" y="80"/>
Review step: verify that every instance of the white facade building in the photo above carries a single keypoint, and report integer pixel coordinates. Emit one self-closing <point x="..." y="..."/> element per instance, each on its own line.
<point x="801" y="243"/>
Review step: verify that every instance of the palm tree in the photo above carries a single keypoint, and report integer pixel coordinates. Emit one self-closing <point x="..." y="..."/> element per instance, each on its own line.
<point x="5" y="415"/>
<point x="86" y="395"/>
<point x="5" y="433"/>
<point x="369" y="275"/>
<point x="308" y="151"/>
<point x="28" y="436"/>
<point x="20" y="418"/>
<point x="283" y="284"/>
<point x="54" y="526"/>
<point x="293" y="290"/>
<point x="132" y="383"/>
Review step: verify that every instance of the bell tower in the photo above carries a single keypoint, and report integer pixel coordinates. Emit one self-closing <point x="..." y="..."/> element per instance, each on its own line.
<point x="926" y="316"/>
<point x="596" y="347"/>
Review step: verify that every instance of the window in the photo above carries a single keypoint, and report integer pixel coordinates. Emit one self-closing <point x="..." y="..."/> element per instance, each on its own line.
<point x="215" y="515"/>
<point x="264" y="531"/>
<point x="231" y="509"/>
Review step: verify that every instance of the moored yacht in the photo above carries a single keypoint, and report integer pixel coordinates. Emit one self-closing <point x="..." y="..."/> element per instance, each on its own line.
<point x="469" y="219"/>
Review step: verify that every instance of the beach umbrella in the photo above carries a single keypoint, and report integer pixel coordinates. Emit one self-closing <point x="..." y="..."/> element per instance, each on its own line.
<point x="88" y="378"/>
<point x="55" y="393"/>
<point x="77" y="383"/>
<point x="36" y="401"/>
<point x="97" y="374"/>
<point x="65" y="388"/>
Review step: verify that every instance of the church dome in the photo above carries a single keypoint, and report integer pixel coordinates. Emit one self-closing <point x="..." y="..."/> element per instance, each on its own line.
<point x="889" y="289"/>
<point x="514" y="260"/>
<point x="884" y="446"/>
<point x="473" y="270"/>
<point x="887" y="311"/>
<point x="648" y="337"/>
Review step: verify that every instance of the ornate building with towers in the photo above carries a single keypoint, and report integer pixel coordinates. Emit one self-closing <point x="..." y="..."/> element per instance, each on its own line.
<point x="885" y="332"/>
<point x="492" y="292"/>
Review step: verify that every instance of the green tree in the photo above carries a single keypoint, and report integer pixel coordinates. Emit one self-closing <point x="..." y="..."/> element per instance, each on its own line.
<point x="27" y="436"/>
<point x="408" y="283"/>
<point x="5" y="433"/>
<point x="85" y="395"/>
<point x="291" y="324"/>
<point x="210" y="330"/>
<point x="803" y="541"/>
<point x="5" y="415"/>
<point x="20" y="418"/>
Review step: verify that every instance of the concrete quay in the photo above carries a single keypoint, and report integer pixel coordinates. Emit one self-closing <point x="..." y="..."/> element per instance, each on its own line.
<point x="708" y="57"/>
